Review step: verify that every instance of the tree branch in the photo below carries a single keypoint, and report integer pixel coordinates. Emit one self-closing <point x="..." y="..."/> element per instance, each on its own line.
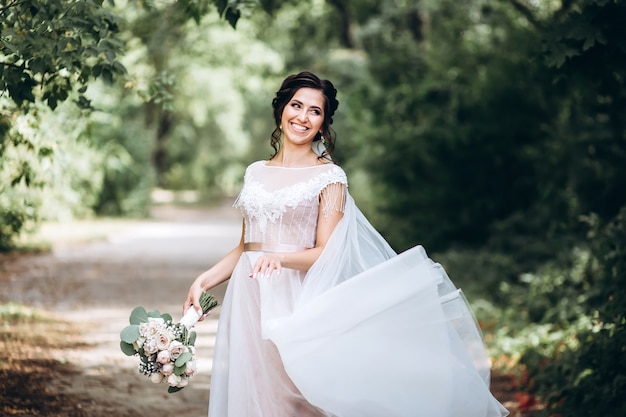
<point x="10" y="65"/>
<point x="346" y="23"/>
<point x="8" y="6"/>
<point x="527" y="12"/>
<point x="566" y="5"/>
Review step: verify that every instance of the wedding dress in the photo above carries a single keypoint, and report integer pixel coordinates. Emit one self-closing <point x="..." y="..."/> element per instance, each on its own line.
<point x="365" y="332"/>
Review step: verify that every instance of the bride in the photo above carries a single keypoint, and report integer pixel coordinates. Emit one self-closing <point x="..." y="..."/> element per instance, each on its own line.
<point x="321" y="317"/>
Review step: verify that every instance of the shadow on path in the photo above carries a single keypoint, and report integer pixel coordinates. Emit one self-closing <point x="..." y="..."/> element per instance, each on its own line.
<point x="96" y="285"/>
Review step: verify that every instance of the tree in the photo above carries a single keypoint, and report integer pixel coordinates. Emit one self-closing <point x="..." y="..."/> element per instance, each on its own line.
<point x="51" y="51"/>
<point x="53" y="48"/>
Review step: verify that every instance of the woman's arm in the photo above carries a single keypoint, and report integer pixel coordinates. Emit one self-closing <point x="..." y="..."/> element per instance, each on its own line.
<point x="219" y="273"/>
<point x="332" y="203"/>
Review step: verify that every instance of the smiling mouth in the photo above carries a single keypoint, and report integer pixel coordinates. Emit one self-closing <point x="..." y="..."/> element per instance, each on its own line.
<point x="299" y="128"/>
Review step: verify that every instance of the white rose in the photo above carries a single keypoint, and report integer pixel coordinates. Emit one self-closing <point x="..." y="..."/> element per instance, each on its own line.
<point x="183" y="382"/>
<point x="163" y="340"/>
<point x="152" y="328"/>
<point x="163" y="357"/>
<point x="173" y="380"/>
<point x="157" y="377"/>
<point x="168" y="369"/>
<point x="191" y="367"/>
<point x="177" y="349"/>
<point x="156" y="320"/>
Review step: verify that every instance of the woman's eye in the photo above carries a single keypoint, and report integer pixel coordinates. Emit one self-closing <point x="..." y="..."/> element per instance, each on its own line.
<point x="295" y="105"/>
<point x="316" y="112"/>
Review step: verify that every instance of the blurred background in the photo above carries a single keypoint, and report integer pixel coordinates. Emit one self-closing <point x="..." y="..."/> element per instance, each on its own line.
<point x="493" y="132"/>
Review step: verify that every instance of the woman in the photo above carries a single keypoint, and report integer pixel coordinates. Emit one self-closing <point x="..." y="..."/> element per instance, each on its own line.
<point x="321" y="317"/>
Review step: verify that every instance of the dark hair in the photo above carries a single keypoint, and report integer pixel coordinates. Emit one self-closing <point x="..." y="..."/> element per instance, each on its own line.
<point x="288" y="89"/>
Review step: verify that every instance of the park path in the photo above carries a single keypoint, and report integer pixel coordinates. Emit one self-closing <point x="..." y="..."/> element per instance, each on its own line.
<point x="96" y="285"/>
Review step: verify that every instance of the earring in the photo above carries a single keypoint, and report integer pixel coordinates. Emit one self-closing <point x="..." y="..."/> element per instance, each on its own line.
<point x="322" y="139"/>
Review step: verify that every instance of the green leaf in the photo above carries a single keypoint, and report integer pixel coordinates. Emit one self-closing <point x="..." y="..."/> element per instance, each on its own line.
<point x="269" y="6"/>
<point x="221" y="6"/>
<point x="127" y="348"/>
<point x="154" y="314"/>
<point x="183" y="359"/>
<point x="179" y="370"/>
<point x="192" y="338"/>
<point x="172" y="390"/>
<point x="167" y="317"/>
<point x="232" y="16"/>
<point x="45" y="151"/>
<point x="138" y="315"/>
<point x="83" y="102"/>
<point x="130" y="334"/>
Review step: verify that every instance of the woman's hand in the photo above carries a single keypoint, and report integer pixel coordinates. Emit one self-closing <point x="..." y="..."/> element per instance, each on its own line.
<point x="193" y="298"/>
<point x="266" y="265"/>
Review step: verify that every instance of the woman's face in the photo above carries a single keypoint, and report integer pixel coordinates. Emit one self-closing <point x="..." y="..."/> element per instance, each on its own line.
<point x="303" y="116"/>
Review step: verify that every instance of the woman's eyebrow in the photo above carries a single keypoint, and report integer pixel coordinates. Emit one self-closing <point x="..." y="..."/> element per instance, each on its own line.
<point x="301" y="103"/>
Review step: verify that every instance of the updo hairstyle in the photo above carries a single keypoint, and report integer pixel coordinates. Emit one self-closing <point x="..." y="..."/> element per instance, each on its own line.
<point x="288" y="89"/>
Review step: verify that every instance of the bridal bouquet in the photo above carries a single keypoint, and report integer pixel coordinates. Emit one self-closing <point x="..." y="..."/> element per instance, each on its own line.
<point x="165" y="349"/>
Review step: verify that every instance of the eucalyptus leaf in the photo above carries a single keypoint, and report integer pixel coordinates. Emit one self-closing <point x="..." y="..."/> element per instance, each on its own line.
<point x="179" y="370"/>
<point x="172" y="390"/>
<point x="127" y="348"/>
<point x="154" y="314"/>
<point x="192" y="338"/>
<point x="138" y="315"/>
<point x="130" y="334"/>
<point x="183" y="359"/>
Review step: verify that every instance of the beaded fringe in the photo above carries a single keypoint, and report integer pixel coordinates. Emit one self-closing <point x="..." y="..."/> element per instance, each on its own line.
<point x="333" y="198"/>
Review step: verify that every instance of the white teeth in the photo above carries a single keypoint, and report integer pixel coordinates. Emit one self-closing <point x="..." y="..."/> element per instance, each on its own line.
<point x="300" y="128"/>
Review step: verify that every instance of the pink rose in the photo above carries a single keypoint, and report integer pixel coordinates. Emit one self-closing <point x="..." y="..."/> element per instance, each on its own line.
<point x="191" y="367"/>
<point x="177" y="349"/>
<point x="168" y="369"/>
<point x="163" y="340"/>
<point x="163" y="357"/>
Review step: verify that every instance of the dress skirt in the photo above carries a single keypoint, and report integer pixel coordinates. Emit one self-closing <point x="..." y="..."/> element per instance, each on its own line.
<point x="364" y="333"/>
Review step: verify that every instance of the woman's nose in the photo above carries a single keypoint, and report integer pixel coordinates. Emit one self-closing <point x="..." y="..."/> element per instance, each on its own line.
<point x="303" y="115"/>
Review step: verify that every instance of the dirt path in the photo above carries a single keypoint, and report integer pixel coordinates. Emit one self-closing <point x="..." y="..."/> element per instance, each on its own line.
<point x="149" y="263"/>
<point x="96" y="285"/>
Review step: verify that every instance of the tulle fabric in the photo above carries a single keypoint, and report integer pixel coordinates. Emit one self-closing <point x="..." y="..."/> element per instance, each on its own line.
<point x="364" y="333"/>
<point x="376" y="334"/>
<point x="248" y="378"/>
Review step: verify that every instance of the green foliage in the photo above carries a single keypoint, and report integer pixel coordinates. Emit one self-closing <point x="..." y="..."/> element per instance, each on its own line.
<point x="37" y="181"/>
<point x="50" y="52"/>
<point x="584" y="376"/>
<point x="487" y="131"/>
<point x="51" y="48"/>
<point x="130" y="334"/>
<point x="16" y="312"/>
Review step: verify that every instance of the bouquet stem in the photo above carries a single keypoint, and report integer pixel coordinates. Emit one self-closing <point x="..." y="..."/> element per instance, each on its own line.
<point x="191" y="317"/>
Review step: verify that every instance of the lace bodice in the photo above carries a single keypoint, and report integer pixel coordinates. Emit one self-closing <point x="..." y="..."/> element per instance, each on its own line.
<point x="282" y="205"/>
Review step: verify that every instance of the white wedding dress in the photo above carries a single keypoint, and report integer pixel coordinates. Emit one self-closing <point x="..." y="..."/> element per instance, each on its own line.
<point x="363" y="333"/>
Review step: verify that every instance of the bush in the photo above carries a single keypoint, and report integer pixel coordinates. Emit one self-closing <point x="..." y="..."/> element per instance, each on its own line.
<point x="586" y="374"/>
<point x="49" y="169"/>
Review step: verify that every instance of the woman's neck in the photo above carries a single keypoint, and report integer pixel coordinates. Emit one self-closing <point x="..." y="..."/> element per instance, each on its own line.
<point x="295" y="158"/>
